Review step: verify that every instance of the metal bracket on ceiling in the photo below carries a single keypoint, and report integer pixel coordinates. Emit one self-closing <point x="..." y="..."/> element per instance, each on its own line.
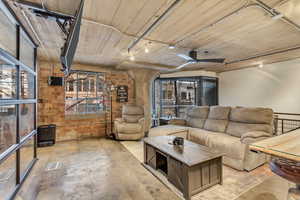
<point x="63" y="20"/>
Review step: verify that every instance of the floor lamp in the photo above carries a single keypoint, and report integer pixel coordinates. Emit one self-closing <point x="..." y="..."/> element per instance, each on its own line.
<point x="111" y="90"/>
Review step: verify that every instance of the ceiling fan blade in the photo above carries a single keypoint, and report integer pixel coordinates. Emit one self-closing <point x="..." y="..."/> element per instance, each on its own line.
<point x="185" y="64"/>
<point x="216" y="60"/>
<point x="185" y="57"/>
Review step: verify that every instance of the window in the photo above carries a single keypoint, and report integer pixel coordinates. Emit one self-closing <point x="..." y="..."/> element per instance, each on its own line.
<point x="172" y="96"/>
<point x="83" y="97"/>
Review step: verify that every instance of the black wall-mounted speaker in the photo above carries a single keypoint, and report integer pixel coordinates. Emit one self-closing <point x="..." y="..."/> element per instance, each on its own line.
<point x="55" y="81"/>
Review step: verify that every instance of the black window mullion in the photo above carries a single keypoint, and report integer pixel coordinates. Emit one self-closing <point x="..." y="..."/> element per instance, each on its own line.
<point x="35" y="97"/>
<point x="18" y="176"/>
<point x="176" y="97"/>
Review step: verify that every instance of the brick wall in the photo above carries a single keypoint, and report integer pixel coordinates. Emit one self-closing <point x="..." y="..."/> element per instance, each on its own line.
<point x="51" y="107"/>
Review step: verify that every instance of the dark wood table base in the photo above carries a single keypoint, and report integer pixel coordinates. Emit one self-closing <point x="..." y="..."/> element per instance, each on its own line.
<point x="289" y="170"/>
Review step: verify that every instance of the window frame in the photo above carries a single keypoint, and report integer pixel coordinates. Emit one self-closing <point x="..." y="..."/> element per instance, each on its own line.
<point x="77" y="90"/>
<point x="198" y="93"/>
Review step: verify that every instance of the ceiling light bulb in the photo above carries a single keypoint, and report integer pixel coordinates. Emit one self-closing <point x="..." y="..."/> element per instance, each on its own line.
<point x="171" y="47"/>
<point x="261" y="65"/>
<point x="132" y="58"/>
<point x="146" y="50"/>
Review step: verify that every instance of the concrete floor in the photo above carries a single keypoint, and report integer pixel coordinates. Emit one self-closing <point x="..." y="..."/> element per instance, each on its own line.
<point x="91" y="170"/>
<point x="99" y="169"/>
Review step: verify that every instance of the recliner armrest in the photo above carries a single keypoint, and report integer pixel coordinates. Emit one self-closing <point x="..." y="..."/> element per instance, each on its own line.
<point x="254" y="136"/>
<point x="180" y="122"/>
<point x="119" y="120"/>
<point x="142" y="120"/>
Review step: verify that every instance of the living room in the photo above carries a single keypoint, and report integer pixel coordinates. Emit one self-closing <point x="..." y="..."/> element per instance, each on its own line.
<point x="137" y="99"/>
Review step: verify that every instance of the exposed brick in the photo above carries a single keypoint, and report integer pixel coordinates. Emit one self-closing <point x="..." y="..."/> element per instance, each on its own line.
<point x="52" y="106"/>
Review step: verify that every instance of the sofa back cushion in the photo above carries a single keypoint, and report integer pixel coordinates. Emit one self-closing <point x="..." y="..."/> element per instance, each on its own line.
<point x="132" y="113"/>
<point x="196" y="116"/>
<point x="243" y="120"/>
<point x="217" y="119"/>
<point x="251" y="115"/>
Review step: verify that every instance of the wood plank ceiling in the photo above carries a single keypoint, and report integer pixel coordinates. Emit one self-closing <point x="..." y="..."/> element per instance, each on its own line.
<point x="110" y="26"/>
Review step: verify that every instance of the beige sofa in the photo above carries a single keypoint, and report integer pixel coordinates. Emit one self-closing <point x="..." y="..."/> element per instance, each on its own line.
<point x="132" y="124"/>
<point x="227" y="129"/>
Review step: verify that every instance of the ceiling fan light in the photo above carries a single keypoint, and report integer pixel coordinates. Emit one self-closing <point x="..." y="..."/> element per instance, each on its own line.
<point x="172" y="47"/>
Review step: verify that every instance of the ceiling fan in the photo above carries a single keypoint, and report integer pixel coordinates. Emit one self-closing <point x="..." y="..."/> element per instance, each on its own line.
<point x="192" y="59"/>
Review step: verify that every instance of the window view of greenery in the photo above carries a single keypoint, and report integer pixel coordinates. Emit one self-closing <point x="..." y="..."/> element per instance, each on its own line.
<point x="84" y="93"/>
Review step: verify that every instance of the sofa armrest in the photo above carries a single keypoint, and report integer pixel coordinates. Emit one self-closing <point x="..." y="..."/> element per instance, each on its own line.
<point x="179" y="122"/>
<point x="254" y="136"/>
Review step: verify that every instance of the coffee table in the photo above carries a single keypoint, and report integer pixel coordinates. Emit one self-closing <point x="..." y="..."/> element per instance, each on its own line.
<point x="191" y="168"/>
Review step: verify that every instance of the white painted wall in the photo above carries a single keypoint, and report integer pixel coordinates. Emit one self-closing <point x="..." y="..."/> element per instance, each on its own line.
<point x="276" y="86"/>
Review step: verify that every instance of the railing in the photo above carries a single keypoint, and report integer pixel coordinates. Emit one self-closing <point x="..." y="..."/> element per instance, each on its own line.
<point x="286" y="122"/>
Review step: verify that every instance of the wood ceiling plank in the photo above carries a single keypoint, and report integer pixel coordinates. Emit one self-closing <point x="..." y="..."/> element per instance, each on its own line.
<point x="126" y="13"/>
<point x="147" y="15"/>
<point x="101" y="10"/>
<point x="191" y="16"/>
<point x="291" y="9"/>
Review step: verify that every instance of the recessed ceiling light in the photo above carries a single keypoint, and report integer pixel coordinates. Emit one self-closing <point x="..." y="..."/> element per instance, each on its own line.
<point x="172" y="47"/>
<point x="261" y="65"/>
<point x="146" y="50"/>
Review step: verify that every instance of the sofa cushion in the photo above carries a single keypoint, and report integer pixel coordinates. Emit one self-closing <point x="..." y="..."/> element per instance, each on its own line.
<point x="219" y="112"/>
<point x="216" y="125"/>
<point x="200" y="136"/>
<point x="132" y="110"/>
<point x="167" y="130"/>
<point x="238" y="129"/>
<point x="251" y="115"/>
<point x="129" y="128"/>
<point x="196" y="116"/>
<point x="195" y="122"/>
<point x="132" y="113"/>
<point x="132" y="118"/>
<point x="198" y="112"/>
<point x="229" y="145"/>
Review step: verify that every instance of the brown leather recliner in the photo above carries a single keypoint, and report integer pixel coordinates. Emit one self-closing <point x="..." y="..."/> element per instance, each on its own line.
<point x="132" y="124"/>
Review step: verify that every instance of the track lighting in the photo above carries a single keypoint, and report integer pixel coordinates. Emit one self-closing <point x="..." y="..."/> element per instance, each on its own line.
<point x="278" y="16"/>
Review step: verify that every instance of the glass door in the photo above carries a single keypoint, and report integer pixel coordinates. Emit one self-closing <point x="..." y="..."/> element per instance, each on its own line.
<point x="209" y="93"/>
<point x="186" y="95"/>
<point x="168" y="99"/>
<point x="17" y="104"/>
